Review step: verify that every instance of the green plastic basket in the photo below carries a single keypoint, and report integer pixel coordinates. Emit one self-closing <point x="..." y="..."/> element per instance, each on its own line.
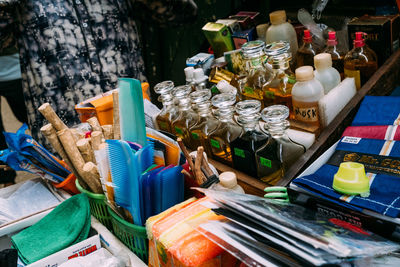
<point x="98" y="206"/>
<point x="133" y="236"/>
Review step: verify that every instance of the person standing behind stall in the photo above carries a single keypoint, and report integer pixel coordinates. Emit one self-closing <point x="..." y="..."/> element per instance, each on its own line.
<point x="10" y="89"/>
<point x="72" y="50"/>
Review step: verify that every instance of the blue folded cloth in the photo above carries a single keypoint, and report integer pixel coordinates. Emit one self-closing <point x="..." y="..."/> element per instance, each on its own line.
<point x="378" y="110"/>
<point x="382" y="162"/>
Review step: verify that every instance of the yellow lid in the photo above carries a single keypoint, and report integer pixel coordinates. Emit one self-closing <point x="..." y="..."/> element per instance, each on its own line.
<point x="351" y="179"/>
<point x="304" y="73"/>
<point x="277" y="17"/>
<point x="322" y="61"/>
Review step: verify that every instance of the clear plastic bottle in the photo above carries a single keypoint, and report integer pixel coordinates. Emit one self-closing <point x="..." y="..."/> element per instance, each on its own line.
<point x="306" y="93"/>
<point x="187" y="116"/>
<point x="305" y="54"/>
<point x="206" y="124"/>
<point x="279" y="153"/>
<point x="199" y="79"/>
<point x="328" y="76"/>
<point x="228" y="182"/>
<point x="361" y="62"/>
<point x="336" y="54"/>
<point x="189" y="77"/>
<point x="281" y="30"/>
<point x="245" y="146"/>
<point x="258" y="75"/>
<point x="227" y="131"/>
<point x="279" y="91"/>
<point x="169" y="112"/>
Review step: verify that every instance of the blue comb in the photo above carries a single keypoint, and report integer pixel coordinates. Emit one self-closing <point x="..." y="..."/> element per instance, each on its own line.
<point x="125" y="174"/>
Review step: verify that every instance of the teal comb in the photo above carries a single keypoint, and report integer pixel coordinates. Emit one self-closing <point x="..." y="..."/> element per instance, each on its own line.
<point x="131" y="111"/>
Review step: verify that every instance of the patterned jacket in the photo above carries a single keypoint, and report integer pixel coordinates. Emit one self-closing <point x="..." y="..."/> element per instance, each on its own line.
<point x="71" y="50"/>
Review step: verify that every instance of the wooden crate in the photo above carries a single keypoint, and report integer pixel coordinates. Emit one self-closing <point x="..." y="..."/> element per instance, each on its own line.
<point x="383" y="82"/>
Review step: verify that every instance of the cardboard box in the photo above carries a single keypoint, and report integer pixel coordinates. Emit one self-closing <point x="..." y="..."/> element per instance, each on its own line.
<point x="245" y="21"/>
<point x="219" y="37"/>
<point x="382" y="34"/>
<point x="232" y="24"/>
<point x="242" y="37"/>
<point x="78" y="250"/>
<point x="255" y="17"/>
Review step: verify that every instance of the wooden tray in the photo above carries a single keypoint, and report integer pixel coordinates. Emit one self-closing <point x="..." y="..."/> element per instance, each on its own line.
<point x="383" y="82"/>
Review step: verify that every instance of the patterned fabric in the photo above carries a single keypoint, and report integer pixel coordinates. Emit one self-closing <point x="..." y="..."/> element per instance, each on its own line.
<point x="71" y="50"/>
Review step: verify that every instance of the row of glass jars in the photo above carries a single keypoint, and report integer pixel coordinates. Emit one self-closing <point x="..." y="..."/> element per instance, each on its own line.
<point x="264" y="154"/>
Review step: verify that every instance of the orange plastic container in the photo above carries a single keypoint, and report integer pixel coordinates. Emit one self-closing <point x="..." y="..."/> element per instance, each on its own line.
<point x="101" y="106"/>
<point x="68" y="185"/>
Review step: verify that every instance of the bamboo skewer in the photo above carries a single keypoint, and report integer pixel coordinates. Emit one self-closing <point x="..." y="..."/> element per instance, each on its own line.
<point x="86" y="150"/>
<point x="48" y="112"/>
<point x="116" y="123"/>
<point x="186" y="153"/>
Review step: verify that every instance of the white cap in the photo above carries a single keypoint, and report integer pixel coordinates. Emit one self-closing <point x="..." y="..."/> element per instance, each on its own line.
<point x="198" y="75"/>
<point x="322" y="61"/>
<point x="228" y="179"/>
<point x="304" y="73"/>
<point x="262" y="30"/>
<point x="189" y="73"/>
<point x="224" y="87"/>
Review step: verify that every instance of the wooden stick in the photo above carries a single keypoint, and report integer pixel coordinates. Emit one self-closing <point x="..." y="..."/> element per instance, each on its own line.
<point x="116" y="124"/>
<point x="186" y="153"/>
<point x="77" y="135"/>
<point x="96" y="139"/>
<point x="86" y="150"/>
<point x="206" y="167"/>
<point x="90" y="169"/>
<point x="107" y="131"/>
<point x="75" y="156"/>
<point x="94" y="123"/>
<point x="185" y="172"/>
<point x="200" y="177"/>
<point x="48" y="112"/>
<point x="51" y="135"/>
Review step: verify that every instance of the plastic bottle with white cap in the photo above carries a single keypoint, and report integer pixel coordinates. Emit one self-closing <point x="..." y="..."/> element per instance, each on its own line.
<point x="325" y="73"/>
<point x="228" y="182"/>
<point x="189" y="76"/>
<point x="306" y="93"/>
<point x="281" y="30"/>
<point x="199" y="79"/>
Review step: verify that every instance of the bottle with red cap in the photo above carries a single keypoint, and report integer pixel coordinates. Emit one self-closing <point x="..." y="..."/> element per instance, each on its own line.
<point x="360" y="62"/>
<point x="305" y="54"/>
<point x="337" y="55"/>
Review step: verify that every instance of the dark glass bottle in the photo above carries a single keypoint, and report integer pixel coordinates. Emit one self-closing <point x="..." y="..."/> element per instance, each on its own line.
<point x="279" y="153"/>
<point x="227" y="131"/>
<point x="244" y="147"/>
<point x="305" y="54"/>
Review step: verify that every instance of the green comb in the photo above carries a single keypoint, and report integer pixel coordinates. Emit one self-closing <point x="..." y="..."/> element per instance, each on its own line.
<point x="277" y="193"/>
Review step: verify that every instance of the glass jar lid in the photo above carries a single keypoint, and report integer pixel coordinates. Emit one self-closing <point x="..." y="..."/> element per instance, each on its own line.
<point x="181" y="91"/>
<point x="277" y="48"/>
<point x="223" y="100"/>
<point x="275" y="113"/>
<point x="253" y="49"/>
<point x="248" y="107"/>
<point x="200" y="96"/>
<point x="164" y="87"/>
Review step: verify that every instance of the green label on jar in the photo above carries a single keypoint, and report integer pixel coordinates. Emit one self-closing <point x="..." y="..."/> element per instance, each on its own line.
<point x="214" y="90"/>
<point x="215" y="143"/>
<point x="239" y="152"/>
<point x="178" y="130"/>
<point x="248" y="90"/>
<point x="265" y="162"/>
<point x="269" y="94"/>
<point x="195" y="136"/>
<point x="291" y="80"/>
<point x="163" y="125"/>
